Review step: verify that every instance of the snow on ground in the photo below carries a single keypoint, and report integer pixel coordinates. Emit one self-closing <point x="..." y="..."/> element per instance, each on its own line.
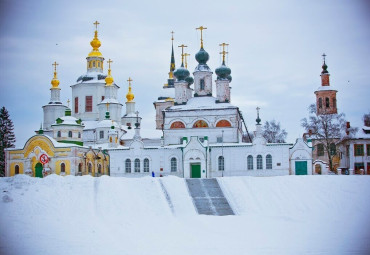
<point x="106" y="215"/>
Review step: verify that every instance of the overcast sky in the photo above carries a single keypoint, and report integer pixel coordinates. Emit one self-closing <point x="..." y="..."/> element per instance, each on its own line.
<point x="274" y="54"/>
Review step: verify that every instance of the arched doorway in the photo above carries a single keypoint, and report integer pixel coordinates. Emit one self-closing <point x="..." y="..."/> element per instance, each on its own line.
<point x="317" y="169"/>
<point x="38" y="170"/>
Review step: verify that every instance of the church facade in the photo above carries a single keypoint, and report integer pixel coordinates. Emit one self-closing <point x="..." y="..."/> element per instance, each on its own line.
<point x="202" y="130"/>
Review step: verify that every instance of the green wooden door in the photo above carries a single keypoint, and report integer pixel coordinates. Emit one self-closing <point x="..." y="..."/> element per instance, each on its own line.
<point x="195" y="171"/>
<point x="301" y="167"/>
<point x="38" y="170"/>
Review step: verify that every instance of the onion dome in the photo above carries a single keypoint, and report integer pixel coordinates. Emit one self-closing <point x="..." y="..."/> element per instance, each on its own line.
<point x="230" y="78"/>
<point x="95" y="43"/>
<point x="55" y="82"/>
<point x="202" y="56"/>
<point x="109" y="79"/>
<point x="181" y="73"/>
<point x="324" y="68"/>
<point x="223" y="72"/>
<point x="129" y="96"/>
<point x="189" y="80"/>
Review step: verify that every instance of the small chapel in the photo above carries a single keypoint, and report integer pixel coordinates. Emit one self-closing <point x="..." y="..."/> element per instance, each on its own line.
<point x="202" y="131"/>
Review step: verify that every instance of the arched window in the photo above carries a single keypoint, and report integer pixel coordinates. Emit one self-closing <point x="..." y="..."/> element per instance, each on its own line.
<point x="128" y="166"/>
<point x="101" y="134"/>
<point x="89" y="168"/>
<point x="80" y="167"/>
<point x="320" y="102"/>
<point x="259" y="162"/>
<point x="221" y="163"/>
<point x="223" y="123"/>
<point x="69" y="133"/>
<point x="98" y="63"/>
<point x="327" y="102"/>
<point x="93" y="63"/>
<point x="62" y="168"/>
<point x="146" y="165"/>
<point x="332" y="149"/>
<point x="177" y="124"/>
<point x="79" y="134"/>
<point x="99" y="169"/>
<point x="268" y="161"/>
<point x="201" y="84"/>
<point x="250" y="162"/>
<point x="59" y="134"/>
<point x="200" y="124"/>
<point x="16" y="169"/>
<point x="137" y="165"/>
<point x="173" y="164"/>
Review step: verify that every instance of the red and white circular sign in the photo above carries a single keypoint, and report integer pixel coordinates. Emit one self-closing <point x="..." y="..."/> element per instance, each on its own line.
<point x="44" y="159"/>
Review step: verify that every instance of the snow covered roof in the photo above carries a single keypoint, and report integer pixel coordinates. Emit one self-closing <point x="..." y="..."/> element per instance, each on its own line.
<point x="325" y="88"/>
<point x="201" y="103"/>
<point x="202" y="68"/>
<point x="93" y="77"/>
<point x="110" y="101"/>
<point x="90" y="124"/>
<point x="67" y="120"/>
<point x="362" y="133"/>
<point x="107" y="124"/>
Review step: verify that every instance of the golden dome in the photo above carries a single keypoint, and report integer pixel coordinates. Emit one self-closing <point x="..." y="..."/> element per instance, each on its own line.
<point x="130" y="96"/>
<point x="55" y="82"/>
<point x="109" y="79"/>
<point x="95" y="43"/>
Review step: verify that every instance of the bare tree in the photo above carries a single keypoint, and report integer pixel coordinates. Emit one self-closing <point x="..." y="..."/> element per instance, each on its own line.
<point x="327" y="129"/>
<point x="273" y="133"/>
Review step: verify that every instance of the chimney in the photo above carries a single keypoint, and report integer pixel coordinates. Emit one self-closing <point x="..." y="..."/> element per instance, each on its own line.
<point x="348" y="126"/>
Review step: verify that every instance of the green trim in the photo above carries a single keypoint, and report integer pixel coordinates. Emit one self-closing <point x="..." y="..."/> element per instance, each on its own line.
<point x="73" y="142"/>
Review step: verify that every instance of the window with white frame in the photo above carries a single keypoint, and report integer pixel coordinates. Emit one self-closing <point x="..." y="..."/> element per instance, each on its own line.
<point x="173" y="164"/>
<point x="146" y="165"/>
<point x="101" y="134"/>
<point x="259" y="162"/>
<point x="268" y="161"/>
<point x="128" y="166"/>
<point x="221" y="163"/>
<point x="137" y="165"/>
<point x="250" y="162"/>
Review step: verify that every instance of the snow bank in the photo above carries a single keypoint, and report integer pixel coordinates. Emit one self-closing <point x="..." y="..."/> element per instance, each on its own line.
<point x="105" y="215"/>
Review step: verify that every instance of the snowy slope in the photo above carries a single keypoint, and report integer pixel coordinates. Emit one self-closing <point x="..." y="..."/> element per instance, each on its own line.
<point x="276" y="215"/>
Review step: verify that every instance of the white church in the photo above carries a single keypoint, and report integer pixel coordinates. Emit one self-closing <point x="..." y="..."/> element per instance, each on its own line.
<point x="202" y="130"/>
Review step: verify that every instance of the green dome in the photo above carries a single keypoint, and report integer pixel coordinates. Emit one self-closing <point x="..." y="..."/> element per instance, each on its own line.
<point x="189" y="80"/>
<point x="181" y="73"/>
<point x="229" y="77"/>
<point x="202" y="56"/>
<point x="324" y="68"/>
<point x="223" y="71"/>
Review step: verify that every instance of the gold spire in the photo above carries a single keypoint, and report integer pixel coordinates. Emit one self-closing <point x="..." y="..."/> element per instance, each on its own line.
<point x="109" y="79"/>
<point x="55" y="81"/>
<point x="182" y="54"/>
<point x="223" y="52"/>
<point x="130" y="96"/>
<point x="95" y="43"/>
<point x="201" y="28"/>
<point x="186" y="61"/>
<point x="68" y="101"/>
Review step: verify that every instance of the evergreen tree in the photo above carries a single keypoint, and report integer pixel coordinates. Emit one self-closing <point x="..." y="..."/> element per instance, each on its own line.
<point x="273" y="133"/>
<point x="7" y="137"/>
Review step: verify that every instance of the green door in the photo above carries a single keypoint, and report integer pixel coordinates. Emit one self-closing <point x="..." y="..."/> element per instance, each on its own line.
<point x="301" y="167"/>
<point x="38" y="170"/>
<point x="195" y="171"/>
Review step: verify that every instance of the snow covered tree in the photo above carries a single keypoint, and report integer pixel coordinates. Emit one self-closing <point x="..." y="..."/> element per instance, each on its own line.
<point x="273" y="133"/>
<point x="7" y="137"/>
<point x="327" y="130"/>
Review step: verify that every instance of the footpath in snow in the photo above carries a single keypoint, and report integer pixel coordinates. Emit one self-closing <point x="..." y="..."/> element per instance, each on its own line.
<point x="106" y="215"/>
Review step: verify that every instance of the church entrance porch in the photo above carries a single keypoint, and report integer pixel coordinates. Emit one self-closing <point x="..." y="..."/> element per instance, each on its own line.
<point x="301" y="167"/>
<point x="195" y="171"/>
<point x="38" y="170"/>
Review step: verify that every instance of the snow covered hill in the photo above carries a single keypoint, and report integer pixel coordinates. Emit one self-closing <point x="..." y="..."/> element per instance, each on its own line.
<point x="105" y="215"/>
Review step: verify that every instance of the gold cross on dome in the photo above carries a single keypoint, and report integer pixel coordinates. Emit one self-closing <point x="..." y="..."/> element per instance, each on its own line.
<point x="129" y="81"/>
<point x="201" y="28"/>
<point x="55" y="64"/>
<point x="172" y="35"/>
<point x="96" y="23"/>
<point x="107" y="104"/>
<point x="186" y="61"/>
<point x="109" y="61"/>
<point x="323" y="55"/>
<point x="182" y="54"/>
<point x="223" y="52"/>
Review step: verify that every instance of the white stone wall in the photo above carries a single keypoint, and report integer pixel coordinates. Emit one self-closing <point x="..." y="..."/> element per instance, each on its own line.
<point x="114" y="111"/>
<point x="207" y="77"/>
<point x="51" y="113"/>
<point x="181" y="92"/>
<point x="223" y="91"/>
<point x="300" y="151"/>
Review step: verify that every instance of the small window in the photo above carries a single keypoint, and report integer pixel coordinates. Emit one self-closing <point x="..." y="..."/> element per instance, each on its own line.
<point x="79" y="134"/>
<point x="368" y="149"/>
<point x="173" y="164"/>
<point x="76" y="104"/>
<point x="201" y="139"/>
<point x="59" y="134"/>
<point x="98" y="63"/>
<point x="88" y="104"/>
<point x="219" y="139"/>
<point x="89" y="168"/>
<point x="250" y="162"/>
<point x="99" y="169"/>
<point x="137" y="165"/>
<point x="359" y="149"/>
<point x="332" y="149"/>
<point x="221" y="163"/>
<point x="268" y="161"/>
<point x="320" y="149"/>
<point x="201" y="84"/>
<point x="259" y="162"/>
<point x="70" y="134"/>
<point x="102" y="98"/>
<point x="62" y="168"/>
<point x="327" y="102"/>
<point x="101" y="134"/>
<point x="93" y="63"/>
<point x="146" y="165"/>
<point x="16" y="169"/>
<point x="80" y="167"/>
<point x="128" y="166"/>
<point x="320" y="103"/>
